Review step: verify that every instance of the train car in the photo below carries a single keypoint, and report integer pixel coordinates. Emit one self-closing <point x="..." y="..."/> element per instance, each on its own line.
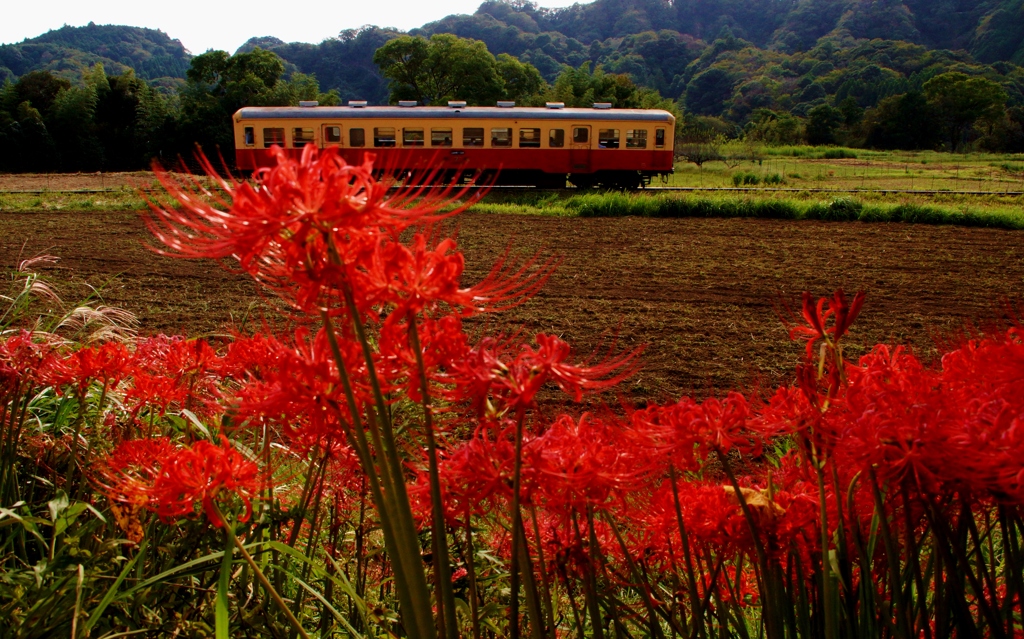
<point x="505" y="144"/>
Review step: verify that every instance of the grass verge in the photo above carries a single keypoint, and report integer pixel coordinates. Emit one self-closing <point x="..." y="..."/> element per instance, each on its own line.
<point x="991" y="215"/>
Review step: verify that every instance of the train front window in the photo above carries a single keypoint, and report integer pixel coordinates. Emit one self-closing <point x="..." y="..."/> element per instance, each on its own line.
<point x="273" y="136"/>
<point x="357" y="137"/>
<point x="250" y="136"/>
<point x="636" y="139"/>
<point x="384" y="136"/>
<point x="556" y="138"/>
<point x="472" y="137"/>
<point x="412" y="137"/>
<point x="501" y="137"/>
<point x="302" y="137"/>
<point x="529" y="138"/>
<point x="580" y="135"/>
<point x="440" y="137"/>
<point x="332" y="134"/>
<point x="607" y="138"/>
<point x="659" y="138"/>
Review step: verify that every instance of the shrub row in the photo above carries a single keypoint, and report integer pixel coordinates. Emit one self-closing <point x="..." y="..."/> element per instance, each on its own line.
<point x="839" y="209"/>
<point x="739" y="179"/>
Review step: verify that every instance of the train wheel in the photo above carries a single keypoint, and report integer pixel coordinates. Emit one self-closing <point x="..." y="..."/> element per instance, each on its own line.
<point x="582" y="180"/>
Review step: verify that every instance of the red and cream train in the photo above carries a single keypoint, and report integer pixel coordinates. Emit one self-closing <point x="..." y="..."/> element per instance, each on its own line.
<point x="621" y="148"/>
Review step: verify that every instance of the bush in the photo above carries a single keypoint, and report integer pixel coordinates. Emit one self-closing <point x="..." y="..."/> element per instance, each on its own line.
<point x="839" y="154"/>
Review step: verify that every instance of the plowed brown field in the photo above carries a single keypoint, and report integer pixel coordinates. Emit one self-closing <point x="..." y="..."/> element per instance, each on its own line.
<point x="701" y="293"/>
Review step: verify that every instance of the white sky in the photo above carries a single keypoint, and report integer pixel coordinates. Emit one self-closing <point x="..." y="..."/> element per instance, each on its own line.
<point x="218" y="24"/>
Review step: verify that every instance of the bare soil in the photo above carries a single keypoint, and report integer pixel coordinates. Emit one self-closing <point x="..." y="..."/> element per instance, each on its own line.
<point x="75" y="181"/>
<point x="702" y="294"/>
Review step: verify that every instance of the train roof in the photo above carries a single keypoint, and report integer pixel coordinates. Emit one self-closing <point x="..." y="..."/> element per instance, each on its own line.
<point x="449" y="113"/>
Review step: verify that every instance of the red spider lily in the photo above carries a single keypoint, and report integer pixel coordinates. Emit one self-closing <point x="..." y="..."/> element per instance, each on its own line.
<point x="958" y="428"/>
<point x="129" y="471"/>
<point x="174" y="371"/>
<point x="517" y="382"/>
<point x="26" y="357"/>
<point x="414" y="277"/>
<point x="109" y="363"/>
<point x="475" y="472"/>
<point x="310" y="226"/>
<point x="687" y="431"/>
<point x="443" y="343"/>
<point x="298" y="388"/>
<point x="580" y="462"/>
<point x="817" y="317"/>
<point x="171" y="481"/>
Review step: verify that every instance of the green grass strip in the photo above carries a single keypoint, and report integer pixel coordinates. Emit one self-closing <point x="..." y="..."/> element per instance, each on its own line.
<point x="841" y="209"/>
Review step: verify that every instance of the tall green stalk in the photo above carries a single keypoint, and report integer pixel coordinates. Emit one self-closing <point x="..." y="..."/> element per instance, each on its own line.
<point x="442" y="565"/>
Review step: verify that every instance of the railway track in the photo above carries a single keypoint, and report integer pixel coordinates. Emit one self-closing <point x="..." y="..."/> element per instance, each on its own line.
<point x="649" y="189"/>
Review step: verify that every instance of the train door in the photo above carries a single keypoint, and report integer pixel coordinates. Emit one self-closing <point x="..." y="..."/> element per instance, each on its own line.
<point x="331" y="135"/>
<point x="579" y="149"/>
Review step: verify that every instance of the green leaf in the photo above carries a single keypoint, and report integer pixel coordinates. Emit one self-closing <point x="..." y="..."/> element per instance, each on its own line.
<point x="8" y="517"/>
<point x="152" y="581"/>
<point x="337" y="615"/>
<point x="198" y="425"/>
<point x="57" y="505"/>
<point x="221" y="610"/>
<point x="112" y="591"/>
<point x="68" y="517"/>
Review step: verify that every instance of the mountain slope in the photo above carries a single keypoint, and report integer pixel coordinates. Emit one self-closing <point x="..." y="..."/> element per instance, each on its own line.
<point x="151" y="53"/>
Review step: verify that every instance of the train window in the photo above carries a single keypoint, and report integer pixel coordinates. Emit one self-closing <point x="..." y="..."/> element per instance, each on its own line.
<point x="440" y="137"/>
<point x="250" y="136"/>
<point x="607" y="138"/>
<point x="272" y="137"/>
<point x="412" y="137"/>
<point x="659" y="138"/>
<point x="472" y="137"/>
<point x="636" y="139"/>
<point x="529" y="138"/>
<point x="383" y="136"/>
<point x="357" y="137"/>
<point x="501" y="137"/>
<point x="581" y="135"/>
<point x="556" y="138"/>
<point x="332" y="134"/>
<point x="302" y="137"/>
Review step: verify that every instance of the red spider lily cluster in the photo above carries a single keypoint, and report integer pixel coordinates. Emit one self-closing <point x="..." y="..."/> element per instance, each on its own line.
<point x="877" y="497"/>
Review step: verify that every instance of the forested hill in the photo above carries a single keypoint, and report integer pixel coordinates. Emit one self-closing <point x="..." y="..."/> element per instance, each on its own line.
<point x="989" y="29"/>
<point x="598" y="32"/>
<point x="915" y="74"/>
<point x="69" y="50"/>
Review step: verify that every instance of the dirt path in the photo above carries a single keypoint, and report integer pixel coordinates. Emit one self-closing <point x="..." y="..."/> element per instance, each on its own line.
<point x="700" y="293"/>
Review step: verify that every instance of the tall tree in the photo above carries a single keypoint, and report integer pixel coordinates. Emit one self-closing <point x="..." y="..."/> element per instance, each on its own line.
<point x="219" y="84"/>
<point x="960" y="101"/>
<point x="823" y="122"/>
<point x="902" y="122"/>
<point x="447" y="67"/>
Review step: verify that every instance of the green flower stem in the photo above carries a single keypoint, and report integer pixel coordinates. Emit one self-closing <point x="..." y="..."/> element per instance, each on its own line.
<point x="357" y="438"/>
<point x="442" y="565"/>
<point x="259" y="574"/>
<point x="418" y="612"/>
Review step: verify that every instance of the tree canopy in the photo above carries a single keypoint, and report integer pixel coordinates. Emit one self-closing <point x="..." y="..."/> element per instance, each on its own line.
<point x="447" y="67"/>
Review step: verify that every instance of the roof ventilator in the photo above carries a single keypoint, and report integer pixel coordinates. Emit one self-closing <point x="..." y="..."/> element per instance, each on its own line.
<point x="555" y="105"/>
<point x="602" y="105"/>
<point x="457" y="104"/>
<point x="407" y="103"/>
<point x="357" y="104"/>
<point x="506" y="104"/>
<point x="308" y="103"/>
